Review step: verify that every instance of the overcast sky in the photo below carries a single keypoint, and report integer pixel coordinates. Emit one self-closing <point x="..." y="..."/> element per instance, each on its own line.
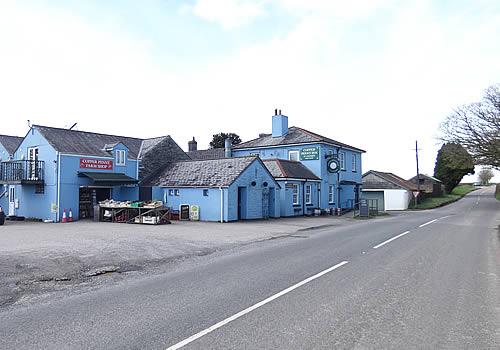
<point x="376" y="74"/>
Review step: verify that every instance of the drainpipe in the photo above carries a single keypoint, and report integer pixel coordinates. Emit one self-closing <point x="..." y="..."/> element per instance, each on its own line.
<point x="304" y="198"/>
<point x="58" y="184"/>
<point x="221" y="205"/>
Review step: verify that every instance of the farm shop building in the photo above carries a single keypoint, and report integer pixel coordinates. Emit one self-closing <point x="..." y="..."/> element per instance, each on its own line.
<point x="55" y="169"/>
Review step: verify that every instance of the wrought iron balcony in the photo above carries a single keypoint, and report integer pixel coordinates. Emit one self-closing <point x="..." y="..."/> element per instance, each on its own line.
<point x="24" y="172"/>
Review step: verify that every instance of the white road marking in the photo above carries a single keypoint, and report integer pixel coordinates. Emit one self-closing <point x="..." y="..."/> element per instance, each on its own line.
<point x="428" y="223"/>
<point x="391" y="239"/>
<point x="252" y="308"/>
<point x="444" y="217"/>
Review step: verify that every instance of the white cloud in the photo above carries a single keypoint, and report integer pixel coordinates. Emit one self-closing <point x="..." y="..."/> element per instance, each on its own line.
<point x="57" y="69"/>
<point x="229" y="13"/>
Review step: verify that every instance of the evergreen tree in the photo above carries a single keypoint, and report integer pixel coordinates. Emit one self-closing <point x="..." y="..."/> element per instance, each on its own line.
<point x="453" y="162"/>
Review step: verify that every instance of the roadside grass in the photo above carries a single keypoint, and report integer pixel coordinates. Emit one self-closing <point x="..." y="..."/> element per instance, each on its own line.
<point x="435" y="202"/>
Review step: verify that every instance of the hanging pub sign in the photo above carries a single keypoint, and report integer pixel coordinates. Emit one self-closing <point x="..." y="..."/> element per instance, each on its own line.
<point x="309" y="153"/>
<point x="333" y="165"/>
<point x="93" y="163"/>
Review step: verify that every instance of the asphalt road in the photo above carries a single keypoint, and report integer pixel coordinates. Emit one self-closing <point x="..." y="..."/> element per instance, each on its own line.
<point x="432" y="282"/>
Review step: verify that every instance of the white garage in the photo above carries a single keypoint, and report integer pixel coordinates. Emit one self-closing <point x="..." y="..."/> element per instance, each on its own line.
<point x="391" y="191"/>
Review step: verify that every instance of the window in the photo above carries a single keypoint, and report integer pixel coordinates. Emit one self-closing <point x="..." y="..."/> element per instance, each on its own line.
<point x="353" y="162"/>
<point x="293" y="155"/>
<point x="308" y="194"/>
<point x="205" y="193"/>
<point x="342" y="160"/>
<point x="331" y="194"/>
<point x="120" y="157"/>
<point x="295" y="194"/>
<point x="177" y="192"/>
<point x="39" y="189"/>
<point x="170" y="192"/>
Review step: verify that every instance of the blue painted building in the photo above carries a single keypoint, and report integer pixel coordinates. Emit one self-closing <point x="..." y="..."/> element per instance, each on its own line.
<point x="8" y="145"/>
<point x="55" y="169"/>
<point x="299" y="193"/>
<point x="226" y="189"/>
<point x="335" y="164"/>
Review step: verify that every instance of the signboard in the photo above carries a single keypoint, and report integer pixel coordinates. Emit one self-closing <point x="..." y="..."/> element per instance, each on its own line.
<point x="364" y="209"/>
<point x="184" y="212"/>
<point x="53" y="208"/>
<point x="195" y="213"/>
<point x="290" y="186"/>
<point x="416" y="193"/>
<point x="309" y="153"/>
<point x="333" y="165"/>
<point x="92" y="163"/>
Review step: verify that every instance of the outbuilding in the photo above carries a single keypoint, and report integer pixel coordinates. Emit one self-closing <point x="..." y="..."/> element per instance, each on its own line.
<point x="226" y="189"/>
<point x="390" y="191"/>
<point x="428" y="184"/>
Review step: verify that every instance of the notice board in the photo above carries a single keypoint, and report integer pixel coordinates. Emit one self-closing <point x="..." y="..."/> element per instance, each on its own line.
<point x="184" y="212"/>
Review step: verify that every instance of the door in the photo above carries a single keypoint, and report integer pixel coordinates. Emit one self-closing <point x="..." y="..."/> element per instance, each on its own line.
<point x="33" y="163"/>
<point x="272" y="202"/>
<point x="265" y="203"/>
<point x="242" y="203"/>
<point x="12" y="200"/>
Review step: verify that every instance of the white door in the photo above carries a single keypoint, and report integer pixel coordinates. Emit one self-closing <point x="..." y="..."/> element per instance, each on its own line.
<point x="12" y="200"/>
<point x="33" y="163"/>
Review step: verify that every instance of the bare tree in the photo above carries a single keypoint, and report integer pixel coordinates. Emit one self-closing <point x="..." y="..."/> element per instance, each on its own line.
<point x="485" y="175"/>
<point x="477" y="127"/>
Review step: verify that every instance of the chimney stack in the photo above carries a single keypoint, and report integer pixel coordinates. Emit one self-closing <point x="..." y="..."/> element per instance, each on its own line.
<point x="280" y="124"/>
<point x="192" y="145"/>
<point x="227" y="148"/>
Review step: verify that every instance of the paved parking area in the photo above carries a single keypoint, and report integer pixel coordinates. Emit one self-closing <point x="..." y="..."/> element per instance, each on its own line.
<point x="38" y="257"/>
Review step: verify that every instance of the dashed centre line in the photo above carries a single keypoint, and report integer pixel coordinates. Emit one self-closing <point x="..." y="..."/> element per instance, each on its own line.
<point x="391" y="239"/>
<point x="252" y="308"/>
<point x="428" y="223"/>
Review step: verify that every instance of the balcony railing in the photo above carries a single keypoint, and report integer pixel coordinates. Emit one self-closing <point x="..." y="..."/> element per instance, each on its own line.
<point x="22" y="172"/>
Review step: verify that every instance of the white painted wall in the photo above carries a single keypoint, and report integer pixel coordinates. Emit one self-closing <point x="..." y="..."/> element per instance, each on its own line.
<point x="396" y="199"/>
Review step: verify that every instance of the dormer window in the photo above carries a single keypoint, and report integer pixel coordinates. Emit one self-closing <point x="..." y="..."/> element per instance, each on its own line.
<point x="120" y="157"/>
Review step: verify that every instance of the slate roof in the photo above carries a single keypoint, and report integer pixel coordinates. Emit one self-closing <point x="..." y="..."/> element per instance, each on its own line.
<point x="390" y="177"/>
<point x="86" y="143"/>
<point x="10" y="142"/>
<point x="202" y="173"/>
<point x="214" y="153"/>
<point x="94" y="144"/>
<point x="295" y="135"/>
<point x="282" y="168"/>
<point x="427" y="176"/>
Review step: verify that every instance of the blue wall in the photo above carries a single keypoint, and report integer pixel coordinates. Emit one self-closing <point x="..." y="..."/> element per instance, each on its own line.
<point x="210" y="205"/>
<point x="34" y="205"/>
<point x="4" y="200"/>
<point x="319" y="168"/>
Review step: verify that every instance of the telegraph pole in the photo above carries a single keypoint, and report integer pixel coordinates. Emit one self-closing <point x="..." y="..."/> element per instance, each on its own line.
<point x="418" y="173"/>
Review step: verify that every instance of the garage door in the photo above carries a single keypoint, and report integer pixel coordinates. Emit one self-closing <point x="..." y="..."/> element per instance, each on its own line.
<point x="378" y="195"/>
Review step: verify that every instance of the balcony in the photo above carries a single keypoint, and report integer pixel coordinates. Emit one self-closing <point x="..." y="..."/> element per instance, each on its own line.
<point x="23" y="172"/>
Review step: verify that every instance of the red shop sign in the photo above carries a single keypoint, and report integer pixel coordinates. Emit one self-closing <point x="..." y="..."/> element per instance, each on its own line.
<point x="92" y="163"/>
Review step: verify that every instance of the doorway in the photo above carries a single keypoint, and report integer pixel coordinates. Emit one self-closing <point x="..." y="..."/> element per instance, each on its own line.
<point x="242" y="203"/>
<point x="12" y="200"/>
<point x="89" y="197"/>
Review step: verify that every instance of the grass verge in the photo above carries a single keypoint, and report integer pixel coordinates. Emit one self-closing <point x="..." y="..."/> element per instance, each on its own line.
<point x="435" y="202"/>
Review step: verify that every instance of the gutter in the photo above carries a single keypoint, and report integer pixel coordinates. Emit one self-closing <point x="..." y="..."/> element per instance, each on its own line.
<point x="58" y="185"/>
<point x="221" y="205"/>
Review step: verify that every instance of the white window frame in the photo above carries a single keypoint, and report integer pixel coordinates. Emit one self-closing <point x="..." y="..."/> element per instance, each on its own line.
<point x="353" y="162"/>
<point x="120" y="157"/>
<point x="308" y="195"/>
<point x="296" y="194"/>
<point x="294" y="152"/>
<point x="331" y="194"/>
<point x="342" y="160"/>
